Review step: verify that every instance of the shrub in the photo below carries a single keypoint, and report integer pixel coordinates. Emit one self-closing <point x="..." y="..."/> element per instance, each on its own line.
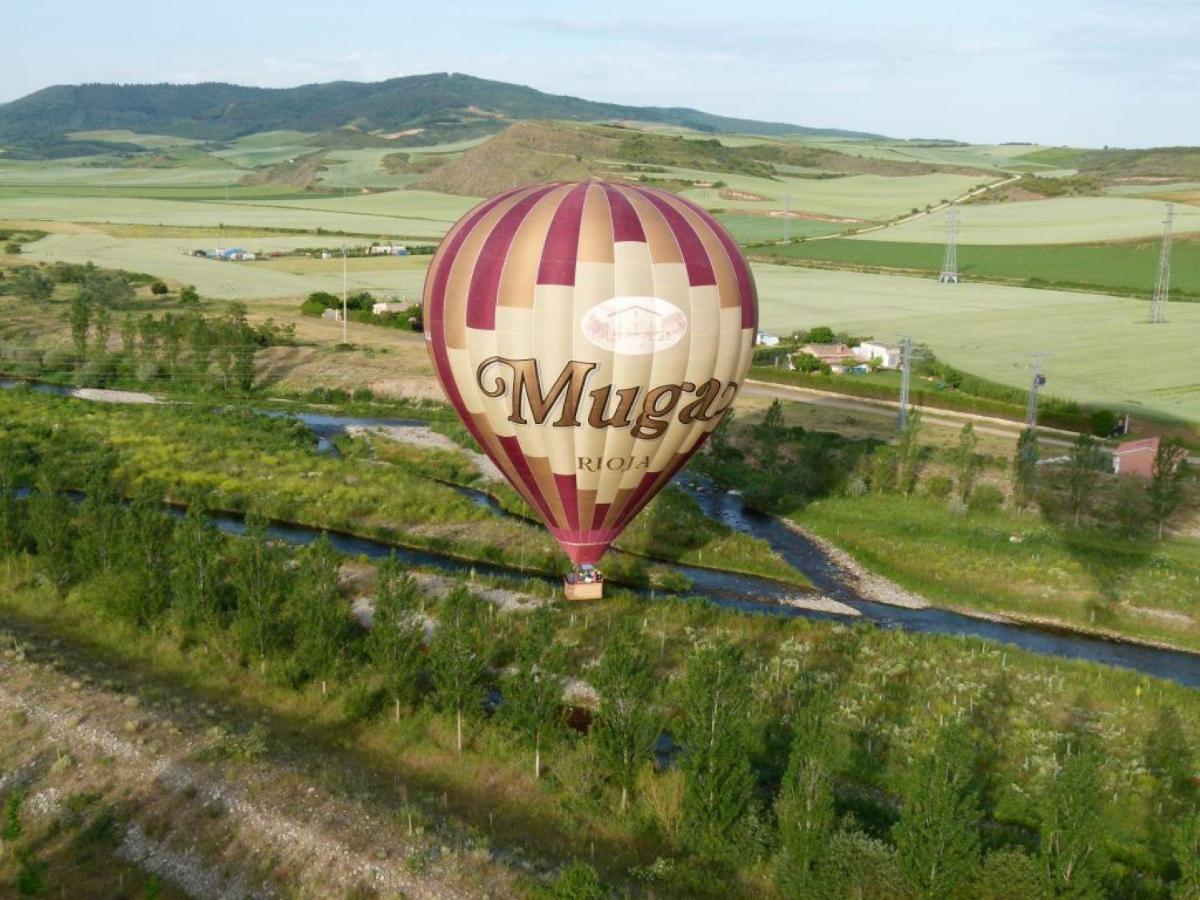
<point x="578" y="881"/>
<point x="938" y="487"/>
<point x="1103" y="422"/>
<point x="12" y="247"/>
<point x="362" y="701"/>
<point x="158" y="289"/>
<point x="189" y="294"/>
<point x="987" y="498"/>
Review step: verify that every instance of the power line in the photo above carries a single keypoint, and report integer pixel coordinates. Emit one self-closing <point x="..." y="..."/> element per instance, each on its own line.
<point x="906" y="357"/>
<point x="949" y="274"/>
<point x="1158" y="308"/>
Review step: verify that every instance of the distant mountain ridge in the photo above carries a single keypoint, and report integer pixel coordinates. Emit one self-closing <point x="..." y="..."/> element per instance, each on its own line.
<point x="433" y="106"/>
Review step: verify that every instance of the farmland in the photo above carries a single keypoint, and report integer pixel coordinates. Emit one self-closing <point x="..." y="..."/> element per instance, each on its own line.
<point x="1099" y="342"/>
<point x="1126" y="268"/>
<point x="1064" y="220"/>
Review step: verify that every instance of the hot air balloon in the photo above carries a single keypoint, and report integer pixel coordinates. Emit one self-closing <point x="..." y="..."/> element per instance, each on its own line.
<point x="591" y="336"/>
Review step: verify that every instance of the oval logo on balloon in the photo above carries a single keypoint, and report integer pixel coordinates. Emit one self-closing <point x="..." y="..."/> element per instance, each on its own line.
<point x="634" y="325"/>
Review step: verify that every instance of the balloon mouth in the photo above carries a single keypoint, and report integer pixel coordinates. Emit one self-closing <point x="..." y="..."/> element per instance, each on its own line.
<point x="584" y="554"/>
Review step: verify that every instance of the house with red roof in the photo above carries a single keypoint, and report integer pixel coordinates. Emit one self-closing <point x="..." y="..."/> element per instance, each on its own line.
<point x="1136" y="457"/>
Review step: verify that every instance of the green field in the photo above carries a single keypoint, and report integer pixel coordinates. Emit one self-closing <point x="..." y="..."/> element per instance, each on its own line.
<point x="169" y="258"/>
<point x="1063" y="220"/>
<point x="1125" y="268"/>
<point x="751" y="229"/>
<point x="1105" y="352"/>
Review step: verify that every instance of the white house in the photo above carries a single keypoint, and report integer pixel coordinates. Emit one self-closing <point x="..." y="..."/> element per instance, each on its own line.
<point x="387" y="250"/>
<point x="333" y="315"/>
<point x="390" y="306"/>
<point x="766" y="339"/>
<point x="889" y="357"/>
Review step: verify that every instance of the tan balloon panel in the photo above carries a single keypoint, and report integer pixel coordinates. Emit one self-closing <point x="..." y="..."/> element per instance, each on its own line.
<point x="591" y="336"/>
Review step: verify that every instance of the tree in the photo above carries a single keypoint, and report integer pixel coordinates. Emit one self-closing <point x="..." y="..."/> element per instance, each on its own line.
<point x="1082" y="473"/>
<point x="101" y="520"/>
<point x="533" y="695"/>
<point x="1187" y="857"/>
<point x="1072" y="832"/>
<point x="259" y="581"/>
<point x="805" y="808"/>
<point x="12" y="512"/>
<point x="11" y="829"/>
<point x="1009" y="874"/>
<point x="189" y="294"/>
<point x="909" y="452"/>
<point x="883" y="470"/>
<point x="1024" y="469"/>
<point x="770" y="434"/>
<point x="158" y="289"/>
<point x="148" y="333"/>
<point x="322" y="626"/>
<point x="625" y="728"/>
<point x="822" y="334"/>
<point x="718" y="797"/>
<point x="52" y="527"/>
<point x="394" y="644"/>
<point x="80" y="318"/>
<point x="171" y="329"/>
<point x="148" y="534"/>
<point x="1169" y="758"/>
<point x="937" y="836"/>
<point x="200" y="338"/>
<point x="32" y="285"/>
<point x="197" y="570"/>
<point x="129" y="334"/>
<point x="966" y="461"/>
<point x="456" y="656"/>
<point x="1166" y="481"/>
<point x="103" y="328"/>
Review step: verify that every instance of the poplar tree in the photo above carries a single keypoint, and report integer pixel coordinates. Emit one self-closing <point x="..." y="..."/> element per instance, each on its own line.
<point x="259" y="581"/>
<point x="1166" y="481"/>
<point x="12" y="511"/>
<point x="533" y="696"/>
<point x="937" y="836"/>
<point x="805" y="807"/>
<point x="148" y="536"/>
<point x="718" y="797"/>
<point x="101" y="524"/>
<point x="1187" y="857"/>
<point x="456" y="656"/>
<point x="1024" y="469"/>
<point x="1072" y="829"/>
<point x="322" y="624"/>
<point x="52" y="528"/>
<point x="625" y="728"/>
<point x="197" y="570"/>
<point x="394" y="644"/>
<point x="909" y="452"/>
<point x="79" y="316"/>
<point x="966" y="461"/>
<point x="1082" y="474"/>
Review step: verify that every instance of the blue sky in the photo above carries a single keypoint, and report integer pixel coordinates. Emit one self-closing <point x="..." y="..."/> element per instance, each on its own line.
<point x="1055" y="71"/>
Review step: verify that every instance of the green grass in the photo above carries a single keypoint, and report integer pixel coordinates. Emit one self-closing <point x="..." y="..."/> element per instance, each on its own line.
<point x="751" y="229"/>
<point x="1064" y="220"/>
<point x="1121" y="268"/>
<point x="1083" y="578"/>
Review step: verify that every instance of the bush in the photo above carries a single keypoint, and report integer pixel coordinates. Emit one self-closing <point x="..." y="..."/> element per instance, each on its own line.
<point x="362" y="701"/>
<point x="189" y="294"/>
<point x="578" y="881"/>
<point x="987" y="498"/>
<point x="12" y="247"/>
<point x="938" y="487"/>
<point x="158" y="289"/>
<point x="1103" y="422"/>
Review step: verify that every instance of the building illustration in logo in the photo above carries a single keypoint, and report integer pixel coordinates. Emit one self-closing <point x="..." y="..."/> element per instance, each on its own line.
<point x="635" y="325"/>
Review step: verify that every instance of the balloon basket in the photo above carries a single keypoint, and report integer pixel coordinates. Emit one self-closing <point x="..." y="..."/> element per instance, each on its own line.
<point x="585" y="583"/>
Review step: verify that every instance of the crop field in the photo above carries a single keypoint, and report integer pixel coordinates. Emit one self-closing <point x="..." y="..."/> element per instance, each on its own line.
<point x="405" y="204"/>
<point x="245" y="215"/>
<point x="168" y="258"/>
<point x="124" y="136"/>
<point x="1127" y="267"/>
<point x="868" y="197"/>
<point x="70" y="172"/>
<point x="361" y="168"/>
<point x="750" y="229"/>
<point x="1105" y="351"/>
<point x="980" y="156"/>
<point x="1062" y="220"/>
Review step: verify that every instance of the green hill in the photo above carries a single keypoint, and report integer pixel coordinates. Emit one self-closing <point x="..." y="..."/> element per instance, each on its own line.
<point x="418" y="109"/>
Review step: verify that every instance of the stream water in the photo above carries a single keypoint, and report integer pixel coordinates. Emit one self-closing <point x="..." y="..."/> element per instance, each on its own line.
<point x="745" y="592"/>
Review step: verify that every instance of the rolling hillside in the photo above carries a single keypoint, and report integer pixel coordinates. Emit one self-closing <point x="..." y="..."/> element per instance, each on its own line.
<point x="419" y="109"/>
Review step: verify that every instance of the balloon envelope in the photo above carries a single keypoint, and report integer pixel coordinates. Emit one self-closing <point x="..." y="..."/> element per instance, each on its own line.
<point x="591" y="336"/>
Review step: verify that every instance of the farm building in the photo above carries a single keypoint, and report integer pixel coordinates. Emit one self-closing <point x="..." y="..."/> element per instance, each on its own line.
<point x="387" y="250"/>
<point x="889" y="357"/>
<point x="391" y="306"/>
<point x="839" y="357"/>
<point x="1136" y="457"/>
<point x="766" y="339"/>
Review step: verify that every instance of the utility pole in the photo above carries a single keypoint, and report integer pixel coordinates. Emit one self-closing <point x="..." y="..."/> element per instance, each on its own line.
<point x="1158" y="307"/>
<point x="1036" y="362"/>
<point x="949" y="273"/>
<point x="906" y="357"/>
<point x="345" y="299"/>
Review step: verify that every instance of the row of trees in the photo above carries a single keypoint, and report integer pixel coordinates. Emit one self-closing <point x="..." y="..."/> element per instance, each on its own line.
<point x="284" y="613"/>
